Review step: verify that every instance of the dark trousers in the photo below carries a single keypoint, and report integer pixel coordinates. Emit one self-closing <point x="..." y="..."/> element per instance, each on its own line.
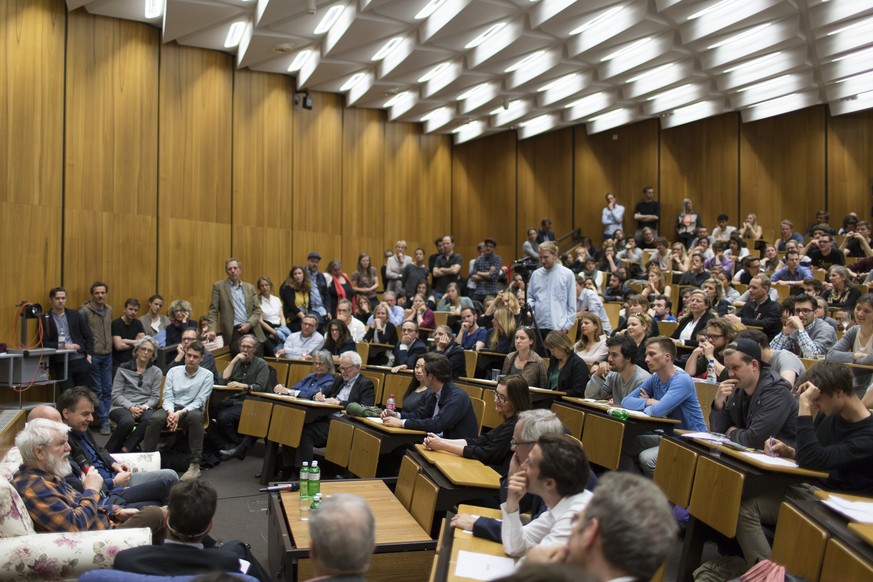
<point x="226" y="422"/>
<point x="314" y="435"/>
<point x="78" y="373"/>
<point x="129" y="431"/>
<point x="191" y="422"/>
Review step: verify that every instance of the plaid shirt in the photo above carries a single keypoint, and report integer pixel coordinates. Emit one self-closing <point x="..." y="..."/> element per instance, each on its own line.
<point x="484" y="263"/>
<point x="54" y="506"/>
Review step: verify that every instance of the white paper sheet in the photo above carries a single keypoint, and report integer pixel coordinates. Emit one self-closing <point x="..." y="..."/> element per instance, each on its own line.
<point x="483" y="566"/>
<point x="375" y="419"/>
<point x="857" y="511"/>
<point x="768" y="460"/>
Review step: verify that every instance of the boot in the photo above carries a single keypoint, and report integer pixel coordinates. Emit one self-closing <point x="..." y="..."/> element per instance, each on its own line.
<point x="238" y="451"/>
<point x="192" y="473"/>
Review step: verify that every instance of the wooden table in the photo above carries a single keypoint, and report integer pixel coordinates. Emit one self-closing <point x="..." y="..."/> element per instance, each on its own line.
<point x="454" y="540"/>
<point x="539" y="398"/>
<point x="603" y="436"/>
<point x="370" y="441"/>
<point x="287" y="419"/>
<point x="403" y="548"/>
<point x="718" y="486"/>
<point x="457" y="478"/>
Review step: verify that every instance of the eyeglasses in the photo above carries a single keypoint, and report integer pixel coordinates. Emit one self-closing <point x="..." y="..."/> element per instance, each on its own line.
<point x="346" y="368"/>
<point x="712" y="337"/>
<point x="514" y="443"/>
<point x="500" y="397"/>
<point x="803" y="311"/>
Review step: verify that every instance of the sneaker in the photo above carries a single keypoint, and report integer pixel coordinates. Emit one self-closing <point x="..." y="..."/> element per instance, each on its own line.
<point x="105" y="430"/>
<point x="192" y="473"/>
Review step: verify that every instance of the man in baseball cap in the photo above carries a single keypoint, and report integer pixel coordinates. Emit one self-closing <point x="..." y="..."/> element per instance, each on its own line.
<point x="755" y="403"/>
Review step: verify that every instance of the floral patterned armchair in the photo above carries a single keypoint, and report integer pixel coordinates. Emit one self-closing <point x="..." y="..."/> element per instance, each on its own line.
<point x="28" y="555"/>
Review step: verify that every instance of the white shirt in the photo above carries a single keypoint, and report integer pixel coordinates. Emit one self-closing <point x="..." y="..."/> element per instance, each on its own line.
<point x="357" y="329"/>
<point x="271" y="309"/>
<point x="552" y="528"/>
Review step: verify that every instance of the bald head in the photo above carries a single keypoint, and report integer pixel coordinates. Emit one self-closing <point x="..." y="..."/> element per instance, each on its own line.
<point x="45" y="411"/>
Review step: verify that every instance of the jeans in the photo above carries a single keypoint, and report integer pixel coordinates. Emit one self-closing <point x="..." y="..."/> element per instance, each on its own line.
<point x="644" y="449"/>
<point x="101" y="382"/>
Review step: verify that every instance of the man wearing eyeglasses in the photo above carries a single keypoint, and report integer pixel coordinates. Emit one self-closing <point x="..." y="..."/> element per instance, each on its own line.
<point x="302" y="343"/>
<point x="248" y="373"/>
<point x="350" y="387"/>
<point x="409" y="348"/>
<point x="189" y="336"/>
<point x="803" y="333"/>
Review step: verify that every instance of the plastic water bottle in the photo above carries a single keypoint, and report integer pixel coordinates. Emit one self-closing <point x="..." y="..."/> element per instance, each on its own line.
<point x="391" y="404"/>
<point x="61" y="341"/>
<point x="316" y="502"/>
<point x="314" y="480"/>
<point x="618" y="413"/>
<point x="305" y="499"/>
<point x="711" y="375"/>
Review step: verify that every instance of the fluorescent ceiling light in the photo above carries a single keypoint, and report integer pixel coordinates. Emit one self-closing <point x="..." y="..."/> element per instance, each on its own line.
<point x="602" y="17"/>
<point x="606" y="115"/>
<point x="863" y="23"/>
<point x="433" y="72"/>
<point x="429" y="9"/>
<point x="629" y="48"/>
<point x="786" y="100"/>
<point x="867" y="95"/>
<point x="753" y="62"/>
<point x="353" y="80"/>
<point x="690" y="109"/>
<point x="712" y="8"/>
<point x="387" y="48"/>
<point x="585" y="100"/>
<point x="234" y="34"/>
<point x="535" y="120"/>
<point x="525" y="61"/>
<point x="650" y="72"/>
<point x="396" y="99"/>
<point x="557" y="82"/>
<point x="473" y="91"/>
<point x="766" y="84"/>
<point x="509" y="107"/>
<point x="863" y="54"/>
<point x="333" y="14"/>
<point x="670" y="92"/>
<point x="154" y="8"/>
<point x="300" y="60"/>
<point x="489" y="32"/>
<point x="432" y="114"/>
<point x="740" y="36"/>
<point x="862" y="76"/>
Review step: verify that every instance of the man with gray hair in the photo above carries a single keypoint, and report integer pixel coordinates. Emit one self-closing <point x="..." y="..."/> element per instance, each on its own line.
<point x="53" y="504"/>
<point x="609" y="541"/>
<point x="342" y="536"/>
<point x="531" y="425"/>
<point x="234" y="308"/>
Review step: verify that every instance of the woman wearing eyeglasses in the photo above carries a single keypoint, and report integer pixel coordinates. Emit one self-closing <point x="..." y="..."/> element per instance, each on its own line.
<point x="493" y="448"/>
<point x="856" y="345"/>
<point x="312" y="384"/>
<point x="135" y="393"/>
<point x="719" y="333"/>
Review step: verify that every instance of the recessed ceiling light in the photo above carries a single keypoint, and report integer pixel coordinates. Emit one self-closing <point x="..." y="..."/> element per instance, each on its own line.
<point x="489" y="32"/>
<point x="154" y="8"/>
<point x="300" y="60"/>
<point x="432" y="114"/>
<point x="606" y="115"/>
<point x="766" y="84"/>
<point x="583" y="102"/>
<point x="525" y="61"/>
<point x="433" y="72"/>
<point x="333" y="14"/>
<point x="602" y="17"/>
<point x="558" y="82"/>
<point x="712" y="8"/>
<point x="473" y="91"/>
<point x="235" y="33"/>
<point x="509" y="106"/>
<point x="629" y="48"/>
<point x="396" y="99"/>
<point x="864" y="76"/>
<point x="670" y="92"/>
<point x="741" y="36"/>
<point x="650" y="72"/>
<point x="429" y="9"/>
<point x="387" y="48"/>
<point x="353" y="80"/>
<point x="852" y="26"/>
<point x="863" y="54"/>
<point x="753" y="62"/>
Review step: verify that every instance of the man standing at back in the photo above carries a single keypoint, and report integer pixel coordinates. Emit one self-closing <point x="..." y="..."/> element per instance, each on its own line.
<point x="126" y="331"/>
<point x="648" y="212"/>
<point x="551" y="293"/>
<point x="98" y="315"/>
<point x="669" y="393"/>
<point x="447" y="267"/>
<point x="486" y="271"/>
<point x="239" y="308"/>
<point x="64" y="329"/>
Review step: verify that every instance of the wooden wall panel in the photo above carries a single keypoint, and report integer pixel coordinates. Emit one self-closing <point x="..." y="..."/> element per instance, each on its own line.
<point x="782" y="167"/>
<point x="621" y="161"/>
<point x="484" y="195"/>
<point x="434" y="188"/>
<point x="263" y="113"/>
<point x="403" y="198"/>
<point x="545" y="184"/>
<point x="317" y="179"/>
<point x="31" y="153"/>
<point x="194" y="188"/>
<point x="850" y="165"/>
<point x="699" y="161"/>
<point x="110" y="181"/>
<point x="363" y="187"/>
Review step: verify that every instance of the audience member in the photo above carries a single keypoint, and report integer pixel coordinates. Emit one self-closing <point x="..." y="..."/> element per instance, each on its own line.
<point x="486" y="271"/>
<point x="760" y="310"/>
<point x="342" y="537"/>
<point x="365" y="280"/>
<point x="344" y="314"/>
<point x="786" y="233"/>
<point x="552" y="293"/>
<point x="66" y="329"/>
<point x="856" y="345"/>
<point x="272" y="320"/>
<point x="530" y="247"/>
<point x="154" y="321"/>
<point x="793" y="273"/>
<point x="612" y="216"/>
<point x="408" y="349"/>
<point x="857" y="244"/>
<point x="318" y="381"/>
<point x="471" y="336"/>
<point x="619" y="375"/>
<point x="804" y="334"/>
<point x="525" y="361"/>
<point x="647" y="213"/>
<point x="823" y="255"/>
<point x="298" y="297"/>
<point x="545" y="233"/>
<point x="447" y="267"/>
<point x="719" y="333"/>
<point x="696" y="274"/>
<point x="842" y="293"/>
<point x="337" y="338"/>
<point x="247" y="373"/>
<point x="319" y="283"/>
<point x="444" y="343"/>
<point x="234" y="309"/>
<point x="339" y="286"/>
<point x="687" y="223"/>
<point x="567" y="371"/>
<point x="782" y="362"/>
<point x="181" y="314"/>
<point x="136" y="392"/>
<point x="661" y="307"/>
<point x="189" y="336"/>
<point x="591" y="346"/>
<point x="694" y="322"/>
<point x="98" y="317"/>
<point x="588" y="301"/>
<point x="126" y="331"/>
<point x="302" y="343"/>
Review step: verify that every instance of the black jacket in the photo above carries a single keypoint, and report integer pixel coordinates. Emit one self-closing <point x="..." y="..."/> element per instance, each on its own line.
<point x="409" y="356"/>
<point x="701" y="325"/>
<point x="573" y="377"/>
<point x="363" y="392"/>
<point x="455" y="419"/>
<point x="80" y="332"/>
<point x="767" y="315"/>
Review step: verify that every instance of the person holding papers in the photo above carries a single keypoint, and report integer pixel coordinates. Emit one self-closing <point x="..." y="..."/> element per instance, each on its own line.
<point x="668" y="393"/>
<point x="755" y="403"/>
<point x="839" y="441"/>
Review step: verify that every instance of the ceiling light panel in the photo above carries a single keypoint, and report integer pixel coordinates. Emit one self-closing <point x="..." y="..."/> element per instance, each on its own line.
<point x="732" y="14"/>
<point x="634" y="55"/>
<point x="675" y="98"/>
<point x="691" y="113"/>
<point x="655" y="79"/>
<point x="752" y="42"/>
<point x="538" y="125"/>
<point x="496" y="44"/>
<point x="438" y="119"/>
<point x="441" y="17"/>
<point x="772" y="89"/>
<point x="852" y="104"/>
<point x="469" y="131"/>
<point x="606" y="25"/>
<point x="850" y="86"/>
<point x="764" y="67"/>
<point x="329" y="19"/>
<point x="474" y="100"/>
<point x="570" y="86"/>
<point x="780" y="106"/>
<point x="849" y="64"/>
<point x="587" y="106"/>
<point x="611" y="119"/>
<point x="534" y="69"/>
<point x="517" y="109"/>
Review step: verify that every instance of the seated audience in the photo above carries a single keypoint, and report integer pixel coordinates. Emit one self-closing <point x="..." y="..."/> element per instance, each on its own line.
<point x="751" y="268"/>
<point x="189" y="336"/>
<point x="492" y="448"/>
<point x="668" y="393"/>
<point x="756" y="403"/>
<point x="619" y="375"/>
<point x="557" y="471"/>
<point x="417" y="391"/>
<point x="635" y="304"/>
<point x="760" y="310"/>
<point x="694" y="322"/>
<point x="380" y="330"/>
<point x="420" y="313"/>
<point x="319" y="380"/>
<point x="452" y="301"/>
<point x="342" y="537"/>
<point x="638" y="330"/>
<point x="180" y="319"/>
<point x="272" y="316"/>
<point x="471" y="336"/>
<point x="736" y="250"/>
<point x="842" y="293"/>
<point x="719" y="259"/>
<point x="364" y="309"/>
<point x="567" y="371"/>
<point x="679" y="259"/>
<point x="357" y="329"/>
<point x="786" y="230"/>
<point x="525" y="361"/>
<point x="719" y="333"/>
<point x="839" y="441"/>
<point x="300" y="344"/>
<point x="136" y="391"/>
<point x="803" y="333"/>
<point x="782" y="362"/>
<point x="154" y="321"/>
<point x="655" y="284"/>
<point x="856" y="345"/>
<point x="588" y="300"/>
<point x="409" y="347"/>
<point x="616" y="289"/>
<point x="444" y="343"/>
<point x="857" y="244"/>
<point x="751" y="229"/>
<point x="190" y="517"/>
<point x="696" y="274"/>
<point x="661" y="307"/>
<point x="338" y="340"/>
<point x="716" y="298"/>
<point x="502" y="334"/>
<point x="591" y="346"/>
<point x="822" y="254"/>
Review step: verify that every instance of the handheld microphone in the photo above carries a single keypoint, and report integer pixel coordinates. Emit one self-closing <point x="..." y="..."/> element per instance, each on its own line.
<point x="82" y="461"/>
<point x="286" y="487"/>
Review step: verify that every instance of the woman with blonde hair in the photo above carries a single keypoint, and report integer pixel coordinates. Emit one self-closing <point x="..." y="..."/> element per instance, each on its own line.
<point x="679" y="259"/>
<point x="751" y="229"/>
<point x="502" y="331"/>
<point x="591" y="346"/>
<point x="638" y="330"/>
<point x="656" y="284"/>
<point x="180" y="320"/>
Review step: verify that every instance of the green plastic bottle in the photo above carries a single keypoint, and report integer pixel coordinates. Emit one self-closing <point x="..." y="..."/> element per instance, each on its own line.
<point x="314" y="480"/>
<point x="304" y="481"/>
